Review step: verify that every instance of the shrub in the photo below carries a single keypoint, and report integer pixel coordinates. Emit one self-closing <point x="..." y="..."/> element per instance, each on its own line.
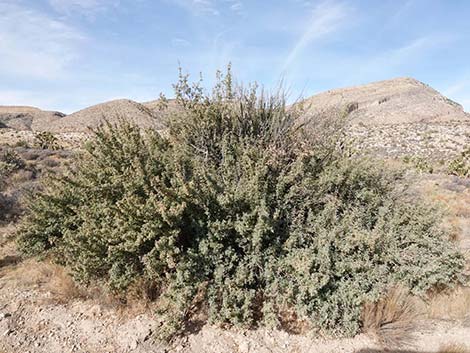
<point x="460" y="166"/>
<point x="47" y="141"/>
<point x="240" y="209"/>
<point x="10" y="163"/>
<point x="421" y="164"/>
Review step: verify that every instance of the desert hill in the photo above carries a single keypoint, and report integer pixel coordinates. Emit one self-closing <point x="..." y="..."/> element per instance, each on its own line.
<point x="395" y="101"/>
<point x="111" y="111"/>
<point x="27" y="118"/>
<point x="400" y="117"/>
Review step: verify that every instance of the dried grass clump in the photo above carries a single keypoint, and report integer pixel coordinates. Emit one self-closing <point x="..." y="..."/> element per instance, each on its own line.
<point x="450" y="305"/>
<point x="47" y="277"/>
<point x="392" y="319"/>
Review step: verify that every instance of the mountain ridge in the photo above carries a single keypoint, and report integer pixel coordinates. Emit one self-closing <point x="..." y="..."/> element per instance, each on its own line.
<point x="399" y="100"/>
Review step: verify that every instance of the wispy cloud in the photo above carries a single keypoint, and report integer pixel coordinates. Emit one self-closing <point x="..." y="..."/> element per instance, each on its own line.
<point x="180" y="42"/>
<point x="326" y="17"/>
<point x="33" y="44"/>
<point x="85" y="7"/>
<point x="210" y="7"/>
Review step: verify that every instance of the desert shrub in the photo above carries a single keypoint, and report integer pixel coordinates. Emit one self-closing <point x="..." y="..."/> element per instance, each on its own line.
<point x="460" y="166"/>
<point x="239" y="209"/>
<point x="22" y="143"/>
<point x="421" y="164"/>
<point x="46" y="140"/>
<point x="10" y="164"/>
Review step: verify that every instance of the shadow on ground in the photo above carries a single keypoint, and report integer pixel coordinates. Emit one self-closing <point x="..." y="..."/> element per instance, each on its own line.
<point x="9" y="261"/>
<point x="389" y="351"/>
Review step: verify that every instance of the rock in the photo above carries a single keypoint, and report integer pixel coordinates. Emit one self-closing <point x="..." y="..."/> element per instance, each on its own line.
<point x="4" y="315"/>
<point x="8" y="332"/>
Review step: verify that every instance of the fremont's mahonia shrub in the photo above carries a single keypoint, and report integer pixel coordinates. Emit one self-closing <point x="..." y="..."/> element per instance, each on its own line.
<point x="242" y="211"/>
<point x="460" y="166"/>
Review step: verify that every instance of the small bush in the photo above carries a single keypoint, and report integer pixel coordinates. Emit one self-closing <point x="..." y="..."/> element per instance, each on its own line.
<point x="421" y="164"/>
<point x="460" y="166"/>
<point x="47" y="140"/>
<point x="239" y="209"/>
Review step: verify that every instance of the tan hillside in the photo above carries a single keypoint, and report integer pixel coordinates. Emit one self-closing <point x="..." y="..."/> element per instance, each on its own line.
<point x="111" y="111"/>
<point x="27" y="118"/>
<point x="398" y="118"/>
<point x="396" y="101"/>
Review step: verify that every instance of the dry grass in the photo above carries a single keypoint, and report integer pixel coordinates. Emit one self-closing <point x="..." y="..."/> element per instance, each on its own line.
<point x="141" y="297"/>
<point x="47" y="277"/>
<point x="453" y="348"/>
<point x="452" y="305"/>
<point x="392" y="320"/>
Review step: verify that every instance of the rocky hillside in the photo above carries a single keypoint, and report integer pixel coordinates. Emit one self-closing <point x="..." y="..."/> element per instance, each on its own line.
<point x="398" y="118"/>
<point x="396" y="101"/>
<point x="111" y="111"/>
<point x="27" y="118"/>
<point x="394" y="118"/>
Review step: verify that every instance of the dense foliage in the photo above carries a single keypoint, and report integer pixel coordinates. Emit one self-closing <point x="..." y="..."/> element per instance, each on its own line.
<point x="239" y="210"/>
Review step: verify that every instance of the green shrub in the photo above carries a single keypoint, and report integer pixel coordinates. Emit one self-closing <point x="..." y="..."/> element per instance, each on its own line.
<point x="10" y="163"/>
<point x="460" y="166"/>
<point x="241" y="210"/>
<point x="47" y="141"/>
<point x="421" y="164"/>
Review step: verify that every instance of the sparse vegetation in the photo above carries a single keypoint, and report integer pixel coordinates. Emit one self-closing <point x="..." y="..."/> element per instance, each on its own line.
<point x="240" y="211"/>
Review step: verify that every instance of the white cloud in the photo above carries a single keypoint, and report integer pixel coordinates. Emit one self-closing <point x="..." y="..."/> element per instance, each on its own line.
<point x="33" y="44"/>
<point x="326" y="17"/>
<point x="85" y="7"/>
<point x="210" y="7"/>
<point x="180" y="42"/>
<point x="199" y="7"/>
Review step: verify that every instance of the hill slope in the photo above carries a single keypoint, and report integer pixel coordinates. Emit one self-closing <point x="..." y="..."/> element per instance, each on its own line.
<point x="396" y="101"/>
<point x="111" y="111"/>
<point x="27" y="118"/>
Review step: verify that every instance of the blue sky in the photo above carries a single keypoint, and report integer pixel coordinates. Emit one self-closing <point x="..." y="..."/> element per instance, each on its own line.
<point x="69" y="54"/>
